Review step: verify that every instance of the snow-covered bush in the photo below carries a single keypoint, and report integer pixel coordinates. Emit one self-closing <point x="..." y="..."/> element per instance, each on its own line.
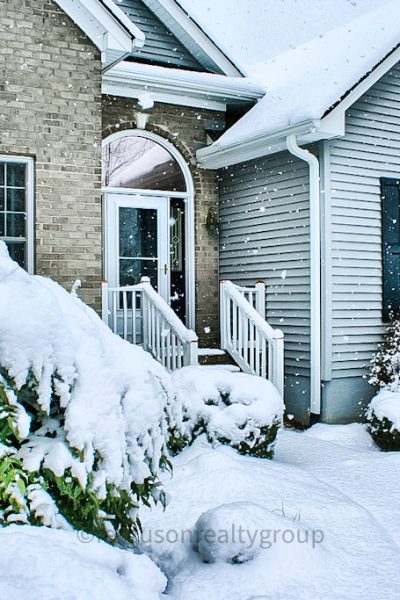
<point x="241" y="410"/>
<point x="383" y="413"/>
<point x="84" y="416"/>
<point x="384" y="419"/>
<point x="385" y="368"/>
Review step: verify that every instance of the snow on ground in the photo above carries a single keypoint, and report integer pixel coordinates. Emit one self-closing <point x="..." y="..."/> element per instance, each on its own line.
<point x="330" y="481"/>
<point x="45" y="564"/>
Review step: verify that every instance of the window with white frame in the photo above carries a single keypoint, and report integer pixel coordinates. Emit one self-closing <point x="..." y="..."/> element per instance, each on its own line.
<point x="16" y="208"/>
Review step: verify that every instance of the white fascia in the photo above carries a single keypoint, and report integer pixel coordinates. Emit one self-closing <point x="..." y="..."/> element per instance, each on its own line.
<point x="217" y="156"/>
<point x="177" y="86"/>
<point x="107" y="26"/>
<point x="192" y="36"/>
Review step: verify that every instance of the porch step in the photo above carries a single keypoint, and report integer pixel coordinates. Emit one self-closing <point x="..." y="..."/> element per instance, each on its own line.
<point x="214" y="357"/>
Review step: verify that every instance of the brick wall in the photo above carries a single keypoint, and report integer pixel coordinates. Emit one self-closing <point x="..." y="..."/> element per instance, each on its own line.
<point x="50" y="109"/>
<point x="184" y="127"/>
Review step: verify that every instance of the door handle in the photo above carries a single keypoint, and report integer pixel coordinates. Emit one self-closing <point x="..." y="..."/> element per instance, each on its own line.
<point x="165" y="269"/>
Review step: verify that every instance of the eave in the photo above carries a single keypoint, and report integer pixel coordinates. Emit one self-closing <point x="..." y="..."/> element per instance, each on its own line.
<point x="176" y="86"/>
<point x="217" y="157"/>
<point x="328" y="126"/>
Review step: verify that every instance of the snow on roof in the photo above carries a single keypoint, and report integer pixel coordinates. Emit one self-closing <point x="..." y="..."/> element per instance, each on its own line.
<point x="306" y="53"/>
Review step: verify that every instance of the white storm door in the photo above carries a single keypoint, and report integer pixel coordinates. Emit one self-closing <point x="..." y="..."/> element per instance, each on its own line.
<point x="138" y="241"/>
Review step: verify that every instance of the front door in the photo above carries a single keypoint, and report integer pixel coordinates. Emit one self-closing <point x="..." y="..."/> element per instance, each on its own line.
<point x="138" y="242"/>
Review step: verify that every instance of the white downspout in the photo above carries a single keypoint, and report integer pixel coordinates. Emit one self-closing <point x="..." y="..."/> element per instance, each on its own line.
<point x="315" y="270"/>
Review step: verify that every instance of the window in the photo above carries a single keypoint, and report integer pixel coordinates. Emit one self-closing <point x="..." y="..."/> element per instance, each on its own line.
<point x="137" y="162"/>
<point x="16" y="208"/>
<point x="390" y="189"/>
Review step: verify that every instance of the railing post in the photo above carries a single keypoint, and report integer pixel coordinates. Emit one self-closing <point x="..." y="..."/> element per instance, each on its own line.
<point x="190" y="356"/>
<point x="104" y="302"/>
<point x="144" y="310"/>
<point x="260" y="298"/>
<point x="223" y="313"/>
<point x="277" y="375"/>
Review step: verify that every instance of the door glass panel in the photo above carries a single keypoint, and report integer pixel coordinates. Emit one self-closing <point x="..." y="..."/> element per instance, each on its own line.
<point x="177" y="258"/>
<point x="131" y="270"/>
<point x="137" y="232"/>
<point x="138" y="245"/>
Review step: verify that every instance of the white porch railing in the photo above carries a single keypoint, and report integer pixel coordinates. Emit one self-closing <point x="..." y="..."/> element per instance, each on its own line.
<point x="140" y="315"/>
<point x="255" y="346"/>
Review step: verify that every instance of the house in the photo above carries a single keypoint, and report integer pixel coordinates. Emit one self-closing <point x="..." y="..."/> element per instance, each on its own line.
<point x="126" y="127"/>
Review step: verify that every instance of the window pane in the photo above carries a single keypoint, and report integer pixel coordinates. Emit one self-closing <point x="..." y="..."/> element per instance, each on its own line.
<point x="132" y="270"/>
<point x="139" y="163"/>
<point x="2" y="224"/>
<point x="137" y="232"/>
<point x="2" y="167"/>
<point x="15" y="174"/>
<point x="17" y="252"/>
<point x="15" y="225"/>
<point x="1" y="198"/>
<point x="16" y="200"/>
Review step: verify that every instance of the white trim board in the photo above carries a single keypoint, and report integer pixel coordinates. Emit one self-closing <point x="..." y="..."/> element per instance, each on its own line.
<point x="106" y="25"/>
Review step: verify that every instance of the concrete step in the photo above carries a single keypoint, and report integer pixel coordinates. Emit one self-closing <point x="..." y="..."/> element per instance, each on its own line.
<point x="213" y="357"/>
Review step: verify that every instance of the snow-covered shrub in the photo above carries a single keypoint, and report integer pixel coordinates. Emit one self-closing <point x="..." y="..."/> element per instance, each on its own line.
<point x="384" y="419"/>
<point x="383" y="413"/>
<point x="241" y="410"/>
<point x="385" y="368"/>
<point x="84" y="416"/>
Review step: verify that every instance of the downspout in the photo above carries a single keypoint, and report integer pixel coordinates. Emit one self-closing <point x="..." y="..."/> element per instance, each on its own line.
<point x="315" y="270"/>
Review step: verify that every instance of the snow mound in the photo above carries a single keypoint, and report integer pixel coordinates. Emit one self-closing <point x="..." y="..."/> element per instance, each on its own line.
<point x="43" y="564"/>
<point x="237" y="532"/>
<point x="233" y="407"/>
<point x="386" y="405"/>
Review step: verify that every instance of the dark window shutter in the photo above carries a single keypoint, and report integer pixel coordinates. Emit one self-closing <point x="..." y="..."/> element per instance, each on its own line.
<point x="390" y="189"/>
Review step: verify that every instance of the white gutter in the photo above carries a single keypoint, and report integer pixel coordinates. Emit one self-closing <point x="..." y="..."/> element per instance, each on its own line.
<point x="315" y="270"/>
<point x="218" y="155"/>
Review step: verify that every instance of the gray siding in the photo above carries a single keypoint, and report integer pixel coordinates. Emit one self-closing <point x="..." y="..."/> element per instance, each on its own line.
<point x="161" y="46"/>
<point x="264" y="216"/>
<point x="369" y="150"/>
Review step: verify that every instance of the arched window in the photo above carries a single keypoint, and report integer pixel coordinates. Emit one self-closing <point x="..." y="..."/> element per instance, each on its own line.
<point x="138" y="162"/>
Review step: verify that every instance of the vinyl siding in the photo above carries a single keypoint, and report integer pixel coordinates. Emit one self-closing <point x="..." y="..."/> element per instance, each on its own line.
<point x="264" y="234"/>
<point x="161" y="46"/>
<point x="369" y="150"/>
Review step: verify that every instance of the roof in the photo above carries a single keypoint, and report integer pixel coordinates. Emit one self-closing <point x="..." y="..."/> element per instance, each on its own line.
<point x="304" y="82"/>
